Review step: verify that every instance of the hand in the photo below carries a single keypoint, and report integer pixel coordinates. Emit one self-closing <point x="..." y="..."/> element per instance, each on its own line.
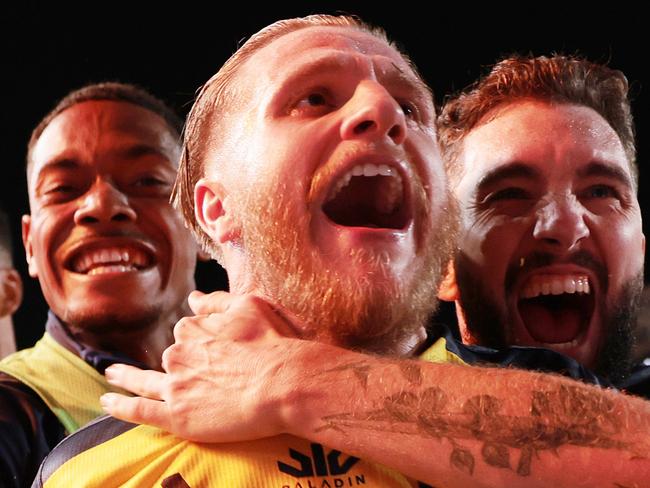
<point x="220" y="375"/>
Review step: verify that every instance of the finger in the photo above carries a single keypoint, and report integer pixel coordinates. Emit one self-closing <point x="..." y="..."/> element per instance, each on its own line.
<point x="215" y="302"/>
<point x="145" y="383"/>
<point x="198" y="328"/>
<point x="137" y="410"/>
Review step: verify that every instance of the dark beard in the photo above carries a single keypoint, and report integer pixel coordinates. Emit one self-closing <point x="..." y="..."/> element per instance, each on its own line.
<point x="615" y="360"/>
<point x="490" y="326"/>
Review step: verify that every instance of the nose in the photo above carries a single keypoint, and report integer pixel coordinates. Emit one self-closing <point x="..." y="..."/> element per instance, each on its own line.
<point x="373" y="113"/>
<point x="104" y="203"/>
<point x="561" y="222"/>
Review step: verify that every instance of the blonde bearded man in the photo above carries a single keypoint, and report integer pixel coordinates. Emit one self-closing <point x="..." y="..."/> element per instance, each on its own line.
<point x="270" y="144"/>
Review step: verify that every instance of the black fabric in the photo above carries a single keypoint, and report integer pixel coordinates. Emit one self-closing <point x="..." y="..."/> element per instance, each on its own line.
<point x="100" y="360"/>
<point x="96" y="432"/>
<point x="638" y="383"/>
<point x="28" y="431"/>
<point x="530" y="358"/>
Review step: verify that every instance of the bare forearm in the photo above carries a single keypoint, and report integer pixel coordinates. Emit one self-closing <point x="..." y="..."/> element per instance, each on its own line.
<point x="453" y="425"/>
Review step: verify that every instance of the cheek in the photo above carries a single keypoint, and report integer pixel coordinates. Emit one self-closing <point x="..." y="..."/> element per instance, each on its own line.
<point x="492" y="244"/>
<point x="48" y="232"/>
<point x="624" y="247"/>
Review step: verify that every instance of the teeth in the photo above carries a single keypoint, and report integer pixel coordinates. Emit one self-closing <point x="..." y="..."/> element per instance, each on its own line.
<point x="368" y="170"/>
<point x="540" y="285"/>
<point x="108" y="260"/>
<point x="113" y="268"/>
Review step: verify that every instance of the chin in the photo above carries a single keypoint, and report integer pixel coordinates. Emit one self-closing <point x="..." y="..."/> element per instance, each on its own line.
<point x="107" y="320"/>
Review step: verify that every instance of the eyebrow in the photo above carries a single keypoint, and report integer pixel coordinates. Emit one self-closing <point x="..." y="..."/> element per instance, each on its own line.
<point x="317" y="66"/>
<point x="328" y="63"/>
<point x="605" y="170"/>
<point x="138" y="150"/>
<point x="513" y="170"/>
<point x="404" y="78"/>
<point x="60" y="162"/>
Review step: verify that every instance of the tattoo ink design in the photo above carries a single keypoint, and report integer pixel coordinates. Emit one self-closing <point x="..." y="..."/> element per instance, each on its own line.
<point x="411" y="372"/>
<point x="360" y="369"/>
<point x="567" y="415"/>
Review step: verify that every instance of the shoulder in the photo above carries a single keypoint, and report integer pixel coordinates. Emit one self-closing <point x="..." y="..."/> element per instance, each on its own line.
<point x="28" y="430"/>
<point x="95" y="433"/>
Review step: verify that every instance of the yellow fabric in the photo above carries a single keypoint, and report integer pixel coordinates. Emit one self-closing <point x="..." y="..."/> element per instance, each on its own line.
<point x="67" y="384"/>
<point x="438" y="353"/>
<point x="148" y="457"/>
<point x="159" y="456"/>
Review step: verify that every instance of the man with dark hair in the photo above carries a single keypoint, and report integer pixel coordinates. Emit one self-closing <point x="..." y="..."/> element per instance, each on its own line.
<point x="113" y="259"/>
<point x="11" y="288"/>
<point x="542" y="160"/>
<point x="311" y="171"/>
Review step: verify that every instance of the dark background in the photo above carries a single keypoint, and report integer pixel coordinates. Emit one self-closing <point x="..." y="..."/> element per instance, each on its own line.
<point x="47" y="50"/>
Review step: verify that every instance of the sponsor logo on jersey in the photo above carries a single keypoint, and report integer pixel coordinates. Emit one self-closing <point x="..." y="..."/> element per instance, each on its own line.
<point x="332" y="466"/>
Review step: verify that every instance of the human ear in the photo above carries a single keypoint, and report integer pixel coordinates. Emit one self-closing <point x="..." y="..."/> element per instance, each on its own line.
<point x="12" y="292"/>
<point x="212" y="212"/>
<point x="448" y="290"/>
<point x="26" y="225"/>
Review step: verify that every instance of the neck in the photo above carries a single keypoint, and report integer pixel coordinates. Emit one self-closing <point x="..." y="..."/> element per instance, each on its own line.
<point x="145" y="343"/>
<point x="403" y="345"/>
<point x="392" y="344"/>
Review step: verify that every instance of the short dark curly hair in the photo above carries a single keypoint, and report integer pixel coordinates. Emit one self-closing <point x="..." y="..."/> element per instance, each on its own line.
<point x="556" y="79"/>
<point x="110" y="90"/>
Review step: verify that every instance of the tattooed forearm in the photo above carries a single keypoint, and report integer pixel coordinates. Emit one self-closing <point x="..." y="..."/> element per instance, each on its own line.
<point x="565" y="415"/>
<point x="411" y="372"/>
<point x="360" y="369"/>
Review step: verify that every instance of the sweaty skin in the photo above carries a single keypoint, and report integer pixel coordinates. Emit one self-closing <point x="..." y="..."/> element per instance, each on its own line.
<point x="448" y="425"/>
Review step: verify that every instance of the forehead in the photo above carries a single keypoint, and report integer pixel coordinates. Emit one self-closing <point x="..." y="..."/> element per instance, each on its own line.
<point x="299" y="49"/>
<point x="557" y="138"/>
<point x="99" y="126"/>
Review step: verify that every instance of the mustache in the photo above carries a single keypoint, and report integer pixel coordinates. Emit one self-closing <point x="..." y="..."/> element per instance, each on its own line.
<point x="536" y="260"/>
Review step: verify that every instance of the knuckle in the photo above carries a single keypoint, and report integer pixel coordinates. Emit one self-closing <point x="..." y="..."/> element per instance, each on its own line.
<point x="181" y="327"/>
<point x="169" y="356"/>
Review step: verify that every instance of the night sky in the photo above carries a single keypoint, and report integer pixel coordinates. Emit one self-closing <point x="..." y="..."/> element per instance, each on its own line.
<point x="48" y="50"/>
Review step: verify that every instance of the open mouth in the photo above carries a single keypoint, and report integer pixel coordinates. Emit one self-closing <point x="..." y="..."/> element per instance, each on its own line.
<point x="114" y="259"/>
<point x="557" y="309"/>
<point x="369" y="195"/>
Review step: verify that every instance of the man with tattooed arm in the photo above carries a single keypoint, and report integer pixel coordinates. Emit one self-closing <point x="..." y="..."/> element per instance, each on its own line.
<point x="314" y="176"/>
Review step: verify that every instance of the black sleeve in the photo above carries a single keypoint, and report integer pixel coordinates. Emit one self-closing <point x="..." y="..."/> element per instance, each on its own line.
<point x="28" y="431"/>
<point x="638" y="383"/>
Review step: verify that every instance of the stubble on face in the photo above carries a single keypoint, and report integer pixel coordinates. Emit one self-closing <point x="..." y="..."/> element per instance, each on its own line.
<point x="112" y="321"/>
<point x="489" y="326"/>
<point x="369" y="311"/>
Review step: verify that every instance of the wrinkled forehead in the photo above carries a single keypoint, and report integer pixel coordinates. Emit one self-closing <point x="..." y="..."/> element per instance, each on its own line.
<point x="104" y="124"/>
<point x="537" y="132"/>
<point x="295" y="50"/>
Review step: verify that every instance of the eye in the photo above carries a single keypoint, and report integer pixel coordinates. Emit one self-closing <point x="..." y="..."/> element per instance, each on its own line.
<point x="150" y="186"/>
<point x="409" y="109"/>
<point x="61" y="192"/>
<point x="61" y="189"/>
<point x="315" y="99"/>
<point x="510" y="193"/>
<point x="601" y="191"/>
<point x="150" y="181"/>
<point x="313" y="103"/>
<point x="512" y="201"/>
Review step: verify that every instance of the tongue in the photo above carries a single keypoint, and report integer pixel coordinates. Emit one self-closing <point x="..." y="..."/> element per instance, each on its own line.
<point x="550" y="325"/>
